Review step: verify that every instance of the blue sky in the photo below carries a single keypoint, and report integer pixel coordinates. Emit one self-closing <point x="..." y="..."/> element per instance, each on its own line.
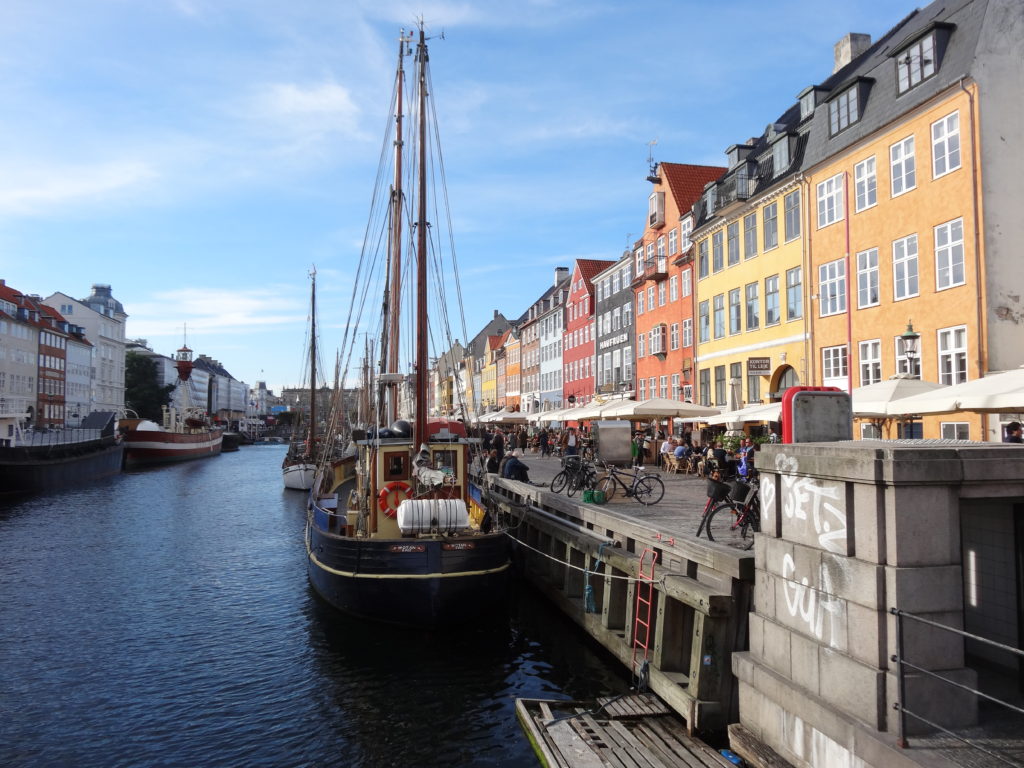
<point x="200" y="155"/>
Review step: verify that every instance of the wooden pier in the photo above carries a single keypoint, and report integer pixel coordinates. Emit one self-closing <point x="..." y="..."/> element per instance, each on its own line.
<point x="635" y="731"/>
<point x="587" y="554"/>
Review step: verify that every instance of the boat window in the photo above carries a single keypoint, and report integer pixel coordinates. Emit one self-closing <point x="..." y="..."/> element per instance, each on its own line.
<point x="396" y="466"/>
<point x="446" y="460"/>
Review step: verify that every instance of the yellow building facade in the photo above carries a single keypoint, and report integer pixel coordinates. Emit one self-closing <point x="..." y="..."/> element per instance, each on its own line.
<point x="750" y="288"/>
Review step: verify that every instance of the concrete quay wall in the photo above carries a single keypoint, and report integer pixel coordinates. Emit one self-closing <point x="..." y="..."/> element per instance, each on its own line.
<point x="850" y="531"/>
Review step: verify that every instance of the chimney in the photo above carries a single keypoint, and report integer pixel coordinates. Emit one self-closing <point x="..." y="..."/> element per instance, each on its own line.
<point x="495" y="314"/>
<point x="849" y="48"/>
<point x="561" y="274"/>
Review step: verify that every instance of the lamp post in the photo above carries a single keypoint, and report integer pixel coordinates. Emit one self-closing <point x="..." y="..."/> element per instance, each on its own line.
<point x="910" y="339"/>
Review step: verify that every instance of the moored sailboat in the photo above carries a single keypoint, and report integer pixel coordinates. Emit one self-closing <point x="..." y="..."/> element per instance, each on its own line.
<point x="299" y="466"/>
<point x="393" y="533"/>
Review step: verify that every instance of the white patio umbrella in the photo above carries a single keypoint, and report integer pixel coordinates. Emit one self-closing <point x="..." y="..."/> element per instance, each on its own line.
<point x="549" y="416"/>
<point x="873" y="400"/>
<point x="658" y="407"/>
<point x="592" y="410"/>
<point x="756" y="412"/>
<point x="1003" y="391"/>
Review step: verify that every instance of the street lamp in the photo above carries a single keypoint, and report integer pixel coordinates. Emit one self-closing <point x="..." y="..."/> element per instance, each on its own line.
<point x="910" y="339"/>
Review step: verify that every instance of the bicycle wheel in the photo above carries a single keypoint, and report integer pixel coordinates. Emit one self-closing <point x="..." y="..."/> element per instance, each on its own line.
<point x="724" y="525"/>
<point x="575" y="481"/>
<point x="607" y="484"/>
<point x="559" y="481"/>
<point x="649" y="490"/>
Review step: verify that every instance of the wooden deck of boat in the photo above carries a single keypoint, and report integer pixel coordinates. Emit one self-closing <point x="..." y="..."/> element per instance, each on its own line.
<point x="635" y="731"/>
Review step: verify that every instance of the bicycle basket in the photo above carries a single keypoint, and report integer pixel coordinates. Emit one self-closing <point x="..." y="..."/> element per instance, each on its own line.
<point x="738" y="490"/>
<point x="572" y="462"/>
<point x="717" y="491"/>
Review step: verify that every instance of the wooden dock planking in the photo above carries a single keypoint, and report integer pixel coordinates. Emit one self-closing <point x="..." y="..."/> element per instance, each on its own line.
<point x="636" y="731"/>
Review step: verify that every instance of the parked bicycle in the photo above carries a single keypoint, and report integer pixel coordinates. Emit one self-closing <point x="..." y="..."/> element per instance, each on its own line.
<point x="732" y="512"/>
<point x="644" y="487"/>
<point x="577" y="474"/>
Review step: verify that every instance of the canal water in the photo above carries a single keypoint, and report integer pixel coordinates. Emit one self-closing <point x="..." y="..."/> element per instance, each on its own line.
<point x="163" y="618"/>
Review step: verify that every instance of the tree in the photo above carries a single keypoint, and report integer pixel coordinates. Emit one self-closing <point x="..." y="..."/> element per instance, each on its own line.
<point x="142" y="393"/>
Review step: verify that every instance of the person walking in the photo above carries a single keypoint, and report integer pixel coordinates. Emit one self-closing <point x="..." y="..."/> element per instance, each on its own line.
<point x="570" y="442"/>
<point x="542" y="440"/>
<point x="498" y="443"/>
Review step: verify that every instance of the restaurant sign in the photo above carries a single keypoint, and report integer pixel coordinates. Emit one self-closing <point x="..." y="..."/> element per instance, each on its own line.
<point x="759" y="365"/>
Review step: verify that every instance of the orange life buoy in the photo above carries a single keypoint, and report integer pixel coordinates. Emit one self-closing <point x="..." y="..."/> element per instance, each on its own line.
<point x="384" y="498"/>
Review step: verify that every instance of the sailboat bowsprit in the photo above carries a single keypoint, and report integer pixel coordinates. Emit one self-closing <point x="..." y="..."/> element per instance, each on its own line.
<point x="395" y="530"/>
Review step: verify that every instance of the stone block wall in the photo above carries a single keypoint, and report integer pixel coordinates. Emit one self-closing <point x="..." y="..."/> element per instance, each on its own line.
<point x="851" y="530"/>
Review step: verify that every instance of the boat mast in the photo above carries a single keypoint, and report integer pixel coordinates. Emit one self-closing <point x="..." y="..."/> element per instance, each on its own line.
<point x="395" y="299"/>
<point x="311" y="442"/>
<point x="420" y="426"/>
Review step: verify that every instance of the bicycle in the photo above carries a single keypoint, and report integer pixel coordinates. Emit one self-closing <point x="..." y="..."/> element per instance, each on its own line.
<point x="576" y="475"/>
<point x="645" y="488"/>
<point x="732" y="511"/>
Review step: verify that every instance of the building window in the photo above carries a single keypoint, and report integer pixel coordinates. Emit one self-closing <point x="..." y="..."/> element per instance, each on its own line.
<point x="909" y="430"/>
<point x="719" y="315"/>
<point x="946" y="145"/>
<point x="830" y="201"/>
<point x="639" y="257"/>
<point x="870" y="362"/>
<point x="750" y="235"/>
<point x="674" y="336"/>
<point x="663" y="386"/>
<point x="640" y="302"/>
<point x="676" y="391"/>
<point x="901" y="160"/>
<point x="661" y="294"/>
<point x="903" y="363"/>
<point x="705" y="386"/>
<point x="953" y="355"/>
<point x="843" y="110"/>
<point x="716" y="251"/>
<point x="627" y="315"/>
<point x="792" y="208"/>
<point x="870" y="431"/>
<point x="673" y="242"/>
<point x="833" y="366"/>
<point x="780" y="156"/>
<point x="916" y="64"/>
<point x="643" y="389"/>
<point x="867" y="278"/>
<point x="770" y="226"/>
<point x="734" y="243"/>
<point x="687" y="282"/>
<point x="904" y="267"/>
<point x="772" y="310"/>
<point x="832" y="288"/>
<point x="673" y="288"/>
<point x="704" y="321"/>
<point x="650" y="298"/>
<point x="866" y="183"/>
<point x="702" y="259"/>
<point x="688" y="332"/>
<point x="794" y="293"/>
<point x="949" y="254"/>
<point x="753" y="307"/>
<point x="685" y="228"/>
<point x="735" y="311"/>
<point x="753" y="388"/>
<point x="955" y="430"/>
<point x="720" y="385"/>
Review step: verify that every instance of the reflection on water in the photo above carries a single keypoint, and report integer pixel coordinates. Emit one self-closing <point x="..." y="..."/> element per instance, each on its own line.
<point x="163" y="618"/>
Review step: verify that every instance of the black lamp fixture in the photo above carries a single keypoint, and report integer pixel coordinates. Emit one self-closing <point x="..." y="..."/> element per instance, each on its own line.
<point x="910" y="340"/>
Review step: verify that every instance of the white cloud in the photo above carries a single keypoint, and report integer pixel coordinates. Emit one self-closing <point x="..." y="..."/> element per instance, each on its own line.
<point x="27" y="191"/>
<point x="208" y="310"/>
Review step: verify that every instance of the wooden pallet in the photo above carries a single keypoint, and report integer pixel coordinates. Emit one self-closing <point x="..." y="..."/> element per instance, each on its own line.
<point x="636" y="731"/>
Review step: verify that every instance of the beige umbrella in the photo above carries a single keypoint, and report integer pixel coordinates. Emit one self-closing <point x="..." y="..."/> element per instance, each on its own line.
<point x="996" y="392"/>
<point x="873" y="400"/>
<point x="758" y="412"/>
<point x="658" y="407"/>
<point x="593" y="410"/>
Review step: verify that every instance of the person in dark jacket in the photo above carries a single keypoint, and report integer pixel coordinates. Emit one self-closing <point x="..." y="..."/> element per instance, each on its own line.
<point x="498" y="443"/>
<point x="493" y="463"/>
<point x="1013" y="433"/>
<point x="515" y="470"/>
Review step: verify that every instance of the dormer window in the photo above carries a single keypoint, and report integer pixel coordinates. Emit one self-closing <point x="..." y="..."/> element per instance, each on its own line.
<point x="780" y="155"/>
<point x="807" y="103"/>
<point x="916" y="64"/>
<point x="656" y="209"/>
<point x="846" y="107"/>
<point x="919" y="60"/>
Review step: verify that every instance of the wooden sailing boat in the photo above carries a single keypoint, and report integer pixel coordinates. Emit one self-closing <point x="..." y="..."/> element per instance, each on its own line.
<point x="299" y="466"/>
<point x="393" y="533"/>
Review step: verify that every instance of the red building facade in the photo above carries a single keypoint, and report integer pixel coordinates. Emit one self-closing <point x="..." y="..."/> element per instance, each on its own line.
<point x="578" y="347"/>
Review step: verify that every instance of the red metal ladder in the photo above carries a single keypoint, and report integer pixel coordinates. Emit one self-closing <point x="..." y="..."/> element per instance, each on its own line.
<point x="642" y="616"/>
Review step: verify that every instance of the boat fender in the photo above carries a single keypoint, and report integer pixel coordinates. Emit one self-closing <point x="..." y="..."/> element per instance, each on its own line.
<point x="388" y="499"/>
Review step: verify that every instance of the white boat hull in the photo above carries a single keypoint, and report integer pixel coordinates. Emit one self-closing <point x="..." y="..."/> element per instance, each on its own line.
<point x="299" y="477"/>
